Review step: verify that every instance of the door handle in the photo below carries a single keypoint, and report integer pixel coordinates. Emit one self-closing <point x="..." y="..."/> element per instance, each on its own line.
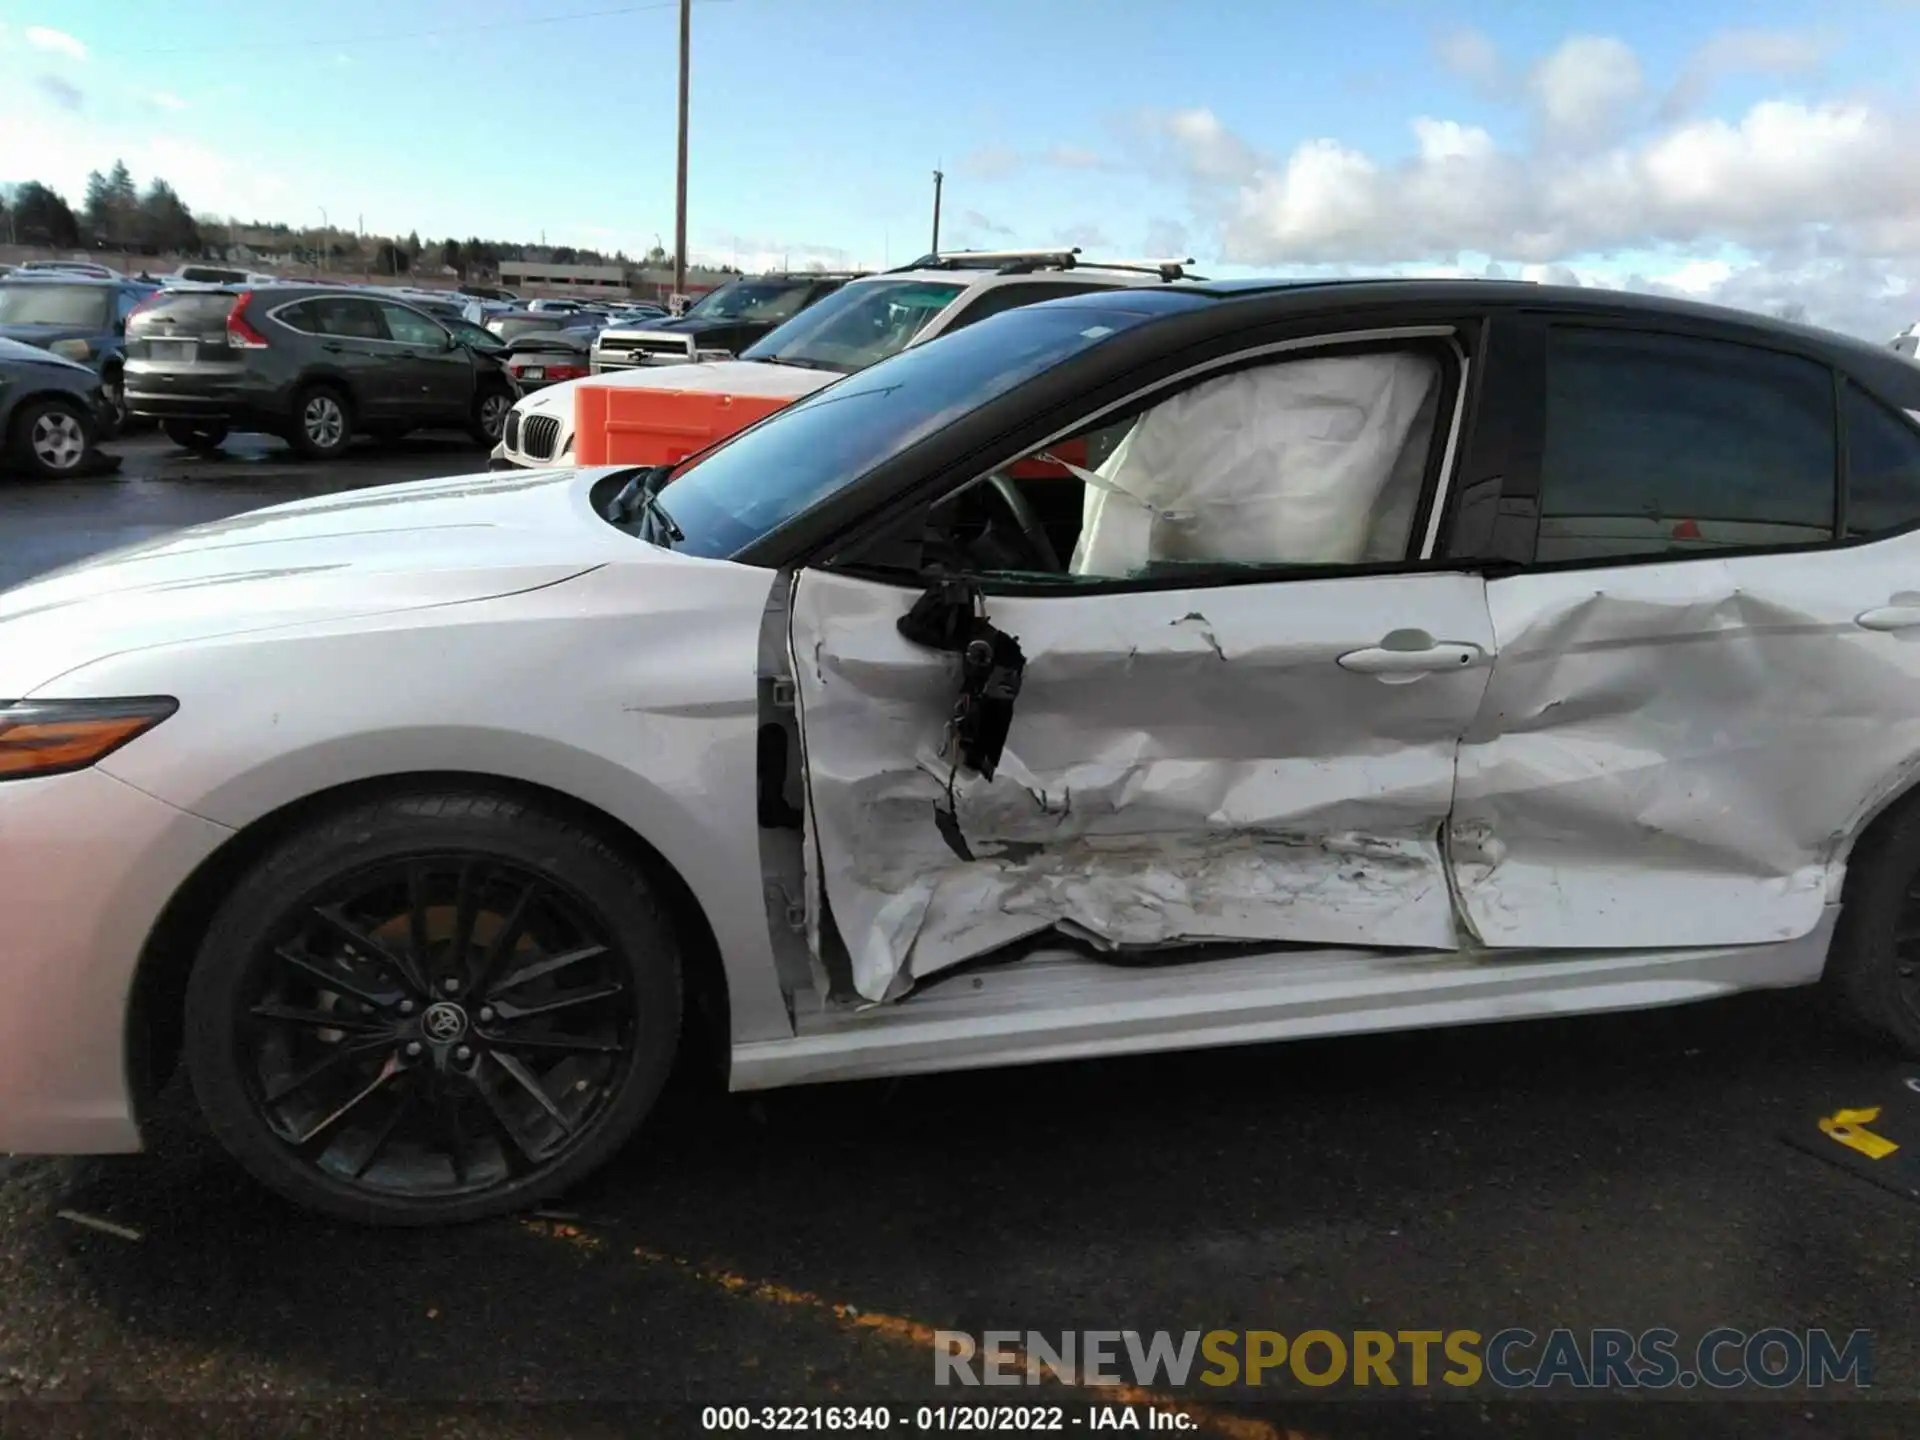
<point x="334" y="349"/>
<point x="1889" y="617"/>
<point x="1398" y="667"/>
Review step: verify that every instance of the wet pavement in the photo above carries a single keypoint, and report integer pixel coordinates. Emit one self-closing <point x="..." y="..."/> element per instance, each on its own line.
<point x="159" y="488"/>
<point x="798" y="1247"/>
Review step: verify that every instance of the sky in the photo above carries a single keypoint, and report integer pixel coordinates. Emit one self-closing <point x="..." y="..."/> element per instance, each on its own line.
<point x="1757" y="154"/>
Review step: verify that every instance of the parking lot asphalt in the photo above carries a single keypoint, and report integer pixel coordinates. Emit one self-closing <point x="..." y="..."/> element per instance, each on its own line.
<point x="800" y="1246"/>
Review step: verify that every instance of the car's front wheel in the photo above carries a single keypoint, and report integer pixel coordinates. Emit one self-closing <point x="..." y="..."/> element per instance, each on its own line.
<point x="490" y="415"/>
<point x="52" y="439"/>
<point x="434" y="1007"/>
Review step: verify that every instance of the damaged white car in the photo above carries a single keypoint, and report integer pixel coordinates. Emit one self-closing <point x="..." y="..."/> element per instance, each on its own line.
<point x="1151" y="669"/>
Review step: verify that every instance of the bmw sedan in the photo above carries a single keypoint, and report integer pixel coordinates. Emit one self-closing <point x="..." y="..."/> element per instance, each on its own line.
<point x="1152" y="669"/>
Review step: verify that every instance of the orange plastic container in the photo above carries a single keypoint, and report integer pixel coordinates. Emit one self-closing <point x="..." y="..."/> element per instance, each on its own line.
<point x="619" y="425"/>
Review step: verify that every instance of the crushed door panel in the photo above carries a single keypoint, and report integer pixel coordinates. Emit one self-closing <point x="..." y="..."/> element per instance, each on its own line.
<point x="1677" y="753"/>
<point x="1270" y="761"/>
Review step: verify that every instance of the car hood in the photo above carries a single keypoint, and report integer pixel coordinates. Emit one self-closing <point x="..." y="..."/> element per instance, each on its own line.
<point x="20" y="353"/>
<point x="368" y="552"/>
<point x="712" y="377"/>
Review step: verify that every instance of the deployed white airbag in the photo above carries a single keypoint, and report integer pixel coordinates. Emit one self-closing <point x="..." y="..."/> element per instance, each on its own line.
<point x="1290" y="463"/>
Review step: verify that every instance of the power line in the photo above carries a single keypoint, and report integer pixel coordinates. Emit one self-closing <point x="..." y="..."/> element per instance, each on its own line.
<point x="342" y="42"/>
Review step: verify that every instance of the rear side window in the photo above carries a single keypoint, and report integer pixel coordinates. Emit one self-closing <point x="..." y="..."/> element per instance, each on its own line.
<point x="299" y="317"/>
<point x="349" y="319"/>
<point x="412" y="328"/>
<point x="183" y="312"/>
<point x="1883" y="467"/>
<point x="1666" y="445"/>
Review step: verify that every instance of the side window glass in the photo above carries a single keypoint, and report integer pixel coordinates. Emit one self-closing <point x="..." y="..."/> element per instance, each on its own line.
<point x="1001" y="298"/>
<point x="1663" y="445"/>
<point x="1311" y="462"/>
<point x="1883" y="467"/>
<point x="350" y="319"/>
<point x="301" y="317"/>
<point x="412" y="328"/>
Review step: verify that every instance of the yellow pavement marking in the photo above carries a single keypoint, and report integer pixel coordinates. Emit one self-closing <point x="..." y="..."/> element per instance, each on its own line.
<point x="900" y="1330"/>
<point x="1849" y="1127"/>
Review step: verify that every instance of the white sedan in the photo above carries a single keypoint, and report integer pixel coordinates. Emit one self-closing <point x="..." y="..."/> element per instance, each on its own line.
<point x="1386" y="655"/>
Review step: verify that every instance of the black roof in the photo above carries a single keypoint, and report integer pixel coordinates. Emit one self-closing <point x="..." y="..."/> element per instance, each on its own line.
<point x="1281" y="297"/>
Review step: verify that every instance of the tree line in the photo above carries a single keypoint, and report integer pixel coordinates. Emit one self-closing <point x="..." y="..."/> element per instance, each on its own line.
<point x="115" y="214"/>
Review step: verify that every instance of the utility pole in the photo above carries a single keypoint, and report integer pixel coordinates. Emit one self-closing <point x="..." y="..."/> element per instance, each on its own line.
<point x="680" y="178"/>
<point x="939" y="178"/>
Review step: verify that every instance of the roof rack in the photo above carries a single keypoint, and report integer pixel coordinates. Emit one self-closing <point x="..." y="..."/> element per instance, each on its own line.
<point x="1166" y="269"/>
<point x="1006" y="262"/>
<point x="806" y="275"/>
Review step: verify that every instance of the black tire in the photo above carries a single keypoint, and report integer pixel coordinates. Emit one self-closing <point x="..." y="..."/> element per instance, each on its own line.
<point x="242" y="1060"/>
<point x="489" y="415"/>
<point x="322" y="427"/>
<point x="113" y="390"/>
<point x="201" y="435"/>
<point x="1874" y="971"/>
<point x="52" y="439"/>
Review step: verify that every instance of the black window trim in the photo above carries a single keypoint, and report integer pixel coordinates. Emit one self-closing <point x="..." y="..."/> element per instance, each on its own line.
<point x="1457" y="377"/>
<point x="1674" y="328"/>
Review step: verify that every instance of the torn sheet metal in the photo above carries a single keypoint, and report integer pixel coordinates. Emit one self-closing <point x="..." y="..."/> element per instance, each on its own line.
<point x="1182" y="765"/>
<point x="1678" y="754"/>
<point x="1316" y="461"/>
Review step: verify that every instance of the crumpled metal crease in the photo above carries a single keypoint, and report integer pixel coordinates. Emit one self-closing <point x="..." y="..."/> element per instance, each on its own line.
<point x="1677" y="758"/>
<point x="1140" y="800"/>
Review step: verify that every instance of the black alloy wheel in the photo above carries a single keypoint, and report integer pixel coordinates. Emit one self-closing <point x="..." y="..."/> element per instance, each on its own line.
<point x="457" y="1027"/>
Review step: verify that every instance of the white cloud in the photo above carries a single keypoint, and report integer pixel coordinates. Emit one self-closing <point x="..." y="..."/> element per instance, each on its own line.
<point x="55" y="42"/>
<point x="1819" y="200"/>
<point x="1697" y="277"/>
<point x="1441" y="140"/>
<point x="1473" y="57"/>
<point x="1733" y="52"/>
<point x="1584" y="88"/>
<point x="167" y="100"/>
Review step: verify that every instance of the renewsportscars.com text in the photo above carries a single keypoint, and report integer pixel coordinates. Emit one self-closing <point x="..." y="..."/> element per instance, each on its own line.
<point x="1773" y="1358"/>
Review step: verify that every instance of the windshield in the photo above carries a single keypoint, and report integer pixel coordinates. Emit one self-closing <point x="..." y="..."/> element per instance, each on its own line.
<point x="55" y="304"/>
<point x="763" y="302"/>
<point x="856" y="326"/>
<point x="764" y="477"/>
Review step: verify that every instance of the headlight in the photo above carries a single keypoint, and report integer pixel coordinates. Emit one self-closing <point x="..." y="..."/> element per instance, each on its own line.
<point x="71" y="349"/>
<point x="51" y="737"/>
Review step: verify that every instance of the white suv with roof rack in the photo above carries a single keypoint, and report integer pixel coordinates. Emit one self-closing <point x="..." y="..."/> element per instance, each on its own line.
<point x="860" y="324"/>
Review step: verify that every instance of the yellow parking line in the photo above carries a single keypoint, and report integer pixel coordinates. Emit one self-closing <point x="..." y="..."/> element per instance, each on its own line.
<point x="900" y="1330"/>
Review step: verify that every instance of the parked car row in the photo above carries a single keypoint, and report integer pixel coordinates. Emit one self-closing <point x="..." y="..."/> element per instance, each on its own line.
<point x="835" y="326"/>
<point x="315" y="365"/>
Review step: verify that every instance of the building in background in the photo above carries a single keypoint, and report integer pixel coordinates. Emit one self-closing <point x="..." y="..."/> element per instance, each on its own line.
<point x="524" y="275"/>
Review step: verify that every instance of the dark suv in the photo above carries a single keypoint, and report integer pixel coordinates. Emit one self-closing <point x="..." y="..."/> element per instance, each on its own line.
<point x="312" y="364"/>
<point x="78" y="318"/>
<point x="723" y="322"/>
